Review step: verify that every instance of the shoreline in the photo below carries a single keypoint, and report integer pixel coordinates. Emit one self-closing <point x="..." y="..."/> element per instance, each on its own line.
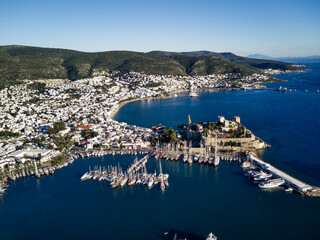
<point x="120" y="105"/>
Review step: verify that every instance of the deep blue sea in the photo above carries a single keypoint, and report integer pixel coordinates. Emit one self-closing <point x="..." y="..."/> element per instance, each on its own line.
<point x="200" y="199"/>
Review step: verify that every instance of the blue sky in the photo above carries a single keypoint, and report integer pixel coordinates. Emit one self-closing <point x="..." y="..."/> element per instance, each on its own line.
<point x="275" y="28"/>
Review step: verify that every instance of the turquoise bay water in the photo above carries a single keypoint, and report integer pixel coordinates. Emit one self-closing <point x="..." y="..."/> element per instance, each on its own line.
<point x="199" y="199"/>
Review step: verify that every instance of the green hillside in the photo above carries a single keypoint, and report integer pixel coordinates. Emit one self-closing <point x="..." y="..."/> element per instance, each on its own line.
<point x="22" y="62"/>
<point x="254" y="64"/>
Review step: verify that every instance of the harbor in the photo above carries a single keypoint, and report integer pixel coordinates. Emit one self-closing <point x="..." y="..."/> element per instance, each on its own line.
<point x="136" y="173"/>
<point x="208" y="194"/>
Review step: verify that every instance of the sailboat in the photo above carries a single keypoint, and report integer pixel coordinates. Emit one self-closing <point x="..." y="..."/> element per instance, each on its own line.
<point x="36" y="170"/>
<point x="216" y="157"/>
<point x="162" y="185"/>
<point x="185" y="156"/>
<point x="190" y="159"/>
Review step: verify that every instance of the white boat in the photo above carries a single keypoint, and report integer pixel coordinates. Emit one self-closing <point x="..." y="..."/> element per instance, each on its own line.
<point x="161" y="176"/>
<point x="272" y="183"/>
<point x="193" y="94"/>
<point x="124" y="181"/>
<point x="216" y="161"/>
<point x="84" y="176"/>
<point x="246" y="164"/>
<point x="46" y="171"/>
<point x="132" y="182"/>
<point x="289" y="189"/>
<point x="263" y="176"/>
<point x="185" y="158"/>
<point x="150" y="183"/>
<point x="211" y="236"/>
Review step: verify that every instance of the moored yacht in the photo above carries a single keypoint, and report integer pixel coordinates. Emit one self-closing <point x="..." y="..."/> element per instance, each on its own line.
<point x="216" y="161"/>
<point x="193" y="94"/>
<point x="211" y="236"/>
<point x="150" y="183"/>
<point x="272" y="183"/>
<point x="263" y="176"/>
<point x="185" y="158"/>
<point x="124" y="181"/>
<point x="196" y="157"/>
<point x="84" y="176"/>
<point x="132" y="182"/>
<point x="246" y="164"/>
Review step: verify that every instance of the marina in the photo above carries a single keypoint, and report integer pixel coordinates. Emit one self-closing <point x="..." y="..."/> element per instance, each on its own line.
<point x="116" y="177"/>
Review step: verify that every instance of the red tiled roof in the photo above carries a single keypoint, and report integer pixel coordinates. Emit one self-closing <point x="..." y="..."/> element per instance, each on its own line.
<point x="84" y="127"/>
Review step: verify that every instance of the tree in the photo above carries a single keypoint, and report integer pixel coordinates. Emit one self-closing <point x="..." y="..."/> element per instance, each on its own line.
<point x="205" y="132"/>
<point x="212" y="126"/>
<point x="169" y="135"/>
<point x="39" y="156"/>
<point x="63" y="142"/>
<point x="153" y="139"/>
<point x="57" y="127"/>
<point x="87" y="134"/>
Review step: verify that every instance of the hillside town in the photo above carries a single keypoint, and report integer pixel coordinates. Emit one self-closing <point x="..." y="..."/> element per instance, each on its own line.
<point x="44" y="119"/>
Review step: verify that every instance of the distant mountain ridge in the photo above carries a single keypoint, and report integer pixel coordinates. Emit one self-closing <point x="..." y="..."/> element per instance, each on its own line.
<point x="23" y="62"/>
<point x="260" y="56"/>
<point x="314" y="58"/>
<point x="251" y="63"/>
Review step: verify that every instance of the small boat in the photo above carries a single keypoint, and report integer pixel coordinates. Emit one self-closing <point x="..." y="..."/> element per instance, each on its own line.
<point x="132" y="182"/>
<point x="84" y="176"/>
<point x="115" y="184"/>
<point x="150" y="183"/>
<point x="246" y="164"/>
<point x="289" y="189"/>
<point x="46" y="171"/>
<point x="37" y="174"/>
<point x="216" y="161"/>
<point x="12" y="177"/>
<point x="51" y="171"/>
<point x="263" y="176"/>
<point x="211" y="236"/>
<point x="185" y="158"/>
<point x="124" y="181"/>
<point x="193" y="94"/>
